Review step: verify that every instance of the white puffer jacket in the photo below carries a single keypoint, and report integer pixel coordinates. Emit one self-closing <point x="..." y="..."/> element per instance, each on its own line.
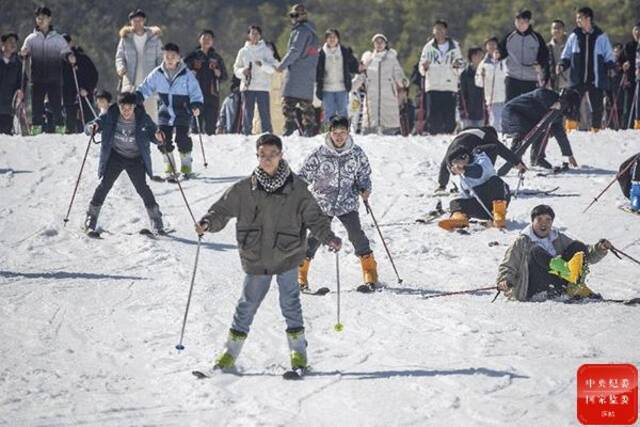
<point x="491" y="76"/>
<point x="444" y="69"/>
<point x="260" y="74"/>
<point x="383" y="76"/>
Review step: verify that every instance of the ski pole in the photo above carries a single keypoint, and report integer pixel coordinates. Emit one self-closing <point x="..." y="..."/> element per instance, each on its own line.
<point x="173" y="171"/>
<point x="370" y="212"/>
<point x="475" y="196"/>
<point x="614" y="101"/>
<point x="204" y="157"/>
<point x="84" y="159"/>
<point x="468" y="291"/>
<point x="86" y="99"/>
<point x="634" y="109"/>
<point x="180" y="346"/>
<point x="520" y="181"/>
<point x="617" y="252"/>
<point x="339" y="326"/>
<point x="618" y="175"/>
<point x="75" y="80"/>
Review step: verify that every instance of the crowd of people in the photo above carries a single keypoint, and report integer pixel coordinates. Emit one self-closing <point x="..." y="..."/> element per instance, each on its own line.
<point x="520" y="86"/>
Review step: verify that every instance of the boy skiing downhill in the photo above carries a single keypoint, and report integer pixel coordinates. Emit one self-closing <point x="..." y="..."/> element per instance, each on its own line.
<point x="180" y="97"/>
<point x="273" y="209"/>
<point x="338" y="172"/>
<point x="126" y="133"/>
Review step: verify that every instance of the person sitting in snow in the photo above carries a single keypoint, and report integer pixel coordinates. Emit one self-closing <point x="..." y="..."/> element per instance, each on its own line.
<point x="630" y="181"/>
<point x="274" y="209"/>
<point x="542" y="259"/>
<point x="180" y="96"/>
<point x="338" y="173"/>
<point x="126" y="131"/>
<point x="480" y="190"/>
<point x="484" y="139"/>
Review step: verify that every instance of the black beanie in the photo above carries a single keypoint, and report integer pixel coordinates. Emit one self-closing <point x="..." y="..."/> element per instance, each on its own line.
<point x="542" y="210"/>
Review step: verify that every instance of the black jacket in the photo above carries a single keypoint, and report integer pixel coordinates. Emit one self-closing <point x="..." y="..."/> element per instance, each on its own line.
<point x="349" y="66"/>
<point x="203" y="64"/>
<point x="629" y="54"/>
<point x="471" y="99"/>
<point x="87" y="76"/>
<point x="483" y="139"/>
<point x="523" y="112"/>
<point x="10" y="75"/>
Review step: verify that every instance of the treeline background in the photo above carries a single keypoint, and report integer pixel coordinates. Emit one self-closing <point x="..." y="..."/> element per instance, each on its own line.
<point x="407" y="23"/>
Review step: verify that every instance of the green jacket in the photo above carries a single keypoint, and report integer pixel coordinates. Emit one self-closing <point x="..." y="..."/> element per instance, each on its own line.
<point x="514" y="267"/>
<point x="271" y="228"/>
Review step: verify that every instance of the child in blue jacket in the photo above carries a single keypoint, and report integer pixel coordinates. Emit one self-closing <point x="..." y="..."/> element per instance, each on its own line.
<point x="180" y="97"/>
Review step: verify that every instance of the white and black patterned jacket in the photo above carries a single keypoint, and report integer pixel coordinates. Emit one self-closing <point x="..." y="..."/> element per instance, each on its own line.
<point x="337" y="177"/>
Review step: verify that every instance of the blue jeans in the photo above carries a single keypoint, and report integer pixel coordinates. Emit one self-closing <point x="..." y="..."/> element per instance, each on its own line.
<point x="255" y="288"/>
<point x="249" y="99"/>
<point x="495" y="115"/>
<point x="335" y="103"/>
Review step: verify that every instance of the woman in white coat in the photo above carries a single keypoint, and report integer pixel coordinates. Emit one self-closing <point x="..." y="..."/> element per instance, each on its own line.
<point x="254" y="66"/>
<point x="381" y="79"/>
<point x="491" y="75"/>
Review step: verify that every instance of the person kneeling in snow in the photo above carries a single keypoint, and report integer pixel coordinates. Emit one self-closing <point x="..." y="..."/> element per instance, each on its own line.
<point x="630" y="181"/>
<point x="338" y="172"/>
<point x="126" y="133"/>
<point x="274" y="209"/>
<point x="542" y="259"/>
<point x="480" y="188"/>
<point x="180" y="96"/>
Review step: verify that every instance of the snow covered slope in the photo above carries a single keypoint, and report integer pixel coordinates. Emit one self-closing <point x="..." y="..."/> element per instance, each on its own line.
<point x="88" y="327"/>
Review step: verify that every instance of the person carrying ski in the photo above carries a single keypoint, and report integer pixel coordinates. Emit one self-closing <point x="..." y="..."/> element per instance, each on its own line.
<point x="629" y="181"/>
<point x="127" y="130"/>
<point x="273" y="209"/>
<point x="180" y="97"/>
<point x="338" y="173"/>
<point x="483" y="194"/>
<point x="10" y="82"/>
<point x="543" y="262"/>
<point x="521" y="115"/>
<point x="484" y="139"/>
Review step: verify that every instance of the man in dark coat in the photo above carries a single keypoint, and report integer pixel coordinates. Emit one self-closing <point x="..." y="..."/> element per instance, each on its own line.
<point x="10" y="82"/>
<point x="87" y="75"/>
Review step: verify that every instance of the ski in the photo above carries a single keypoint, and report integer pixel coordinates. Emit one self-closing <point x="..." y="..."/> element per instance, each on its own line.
<point x="157" y="178"/>
<point x="555" y="171"/>
<point x="587" y="300"/>
<point x="432" y="215"/>
<point x="200" y="375"/>
<point x="294" y="374"/>
<point x="628" y="210"/>
<point x="149" y="233"/>
<point x="318" y="292"/>
<point x="538" y="192"/>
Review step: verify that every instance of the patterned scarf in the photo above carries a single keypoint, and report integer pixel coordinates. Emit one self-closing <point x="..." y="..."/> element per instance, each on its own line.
<point x="273" y="183"/>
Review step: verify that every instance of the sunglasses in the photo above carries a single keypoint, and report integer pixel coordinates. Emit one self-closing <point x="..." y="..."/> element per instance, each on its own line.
<point x="294" y="15"/>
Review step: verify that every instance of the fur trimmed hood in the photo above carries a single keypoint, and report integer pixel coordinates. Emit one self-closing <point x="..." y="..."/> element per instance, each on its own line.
<point x="128" y="29"/>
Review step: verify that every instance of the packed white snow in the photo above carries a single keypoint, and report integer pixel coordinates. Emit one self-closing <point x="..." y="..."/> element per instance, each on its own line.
<point x="89" y="327"/>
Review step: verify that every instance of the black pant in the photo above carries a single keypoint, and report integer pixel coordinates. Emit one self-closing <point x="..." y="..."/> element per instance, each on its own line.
<point x="209" y="116"/>
<point x="515" y="87"/>
<point x="537" y="148"/>
<point x="53" y="92"/>
<point x="628" y="95"/>
<point x="494" y="189"/>
<point x="134" y="168"/>
<point x="539" y="277"/>
<point x="6" y="124"/>
<point x="184" y="143"/>
<point x="72" y="120"/>
<point x="358" y="239"/>
<point x="441" y="111"/>
<point x="595" y="100"/>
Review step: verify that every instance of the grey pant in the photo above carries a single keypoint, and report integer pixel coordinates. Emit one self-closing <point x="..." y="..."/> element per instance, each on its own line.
<point x="255" y="288"/>
<point x="358" y="239"/>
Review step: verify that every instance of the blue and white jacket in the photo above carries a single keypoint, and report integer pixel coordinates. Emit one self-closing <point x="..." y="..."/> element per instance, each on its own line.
<point x="177" y="96"/>
<point x="479" y="171"/>
<point x="576" y="56"/>
<point x="337" y="177"/>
